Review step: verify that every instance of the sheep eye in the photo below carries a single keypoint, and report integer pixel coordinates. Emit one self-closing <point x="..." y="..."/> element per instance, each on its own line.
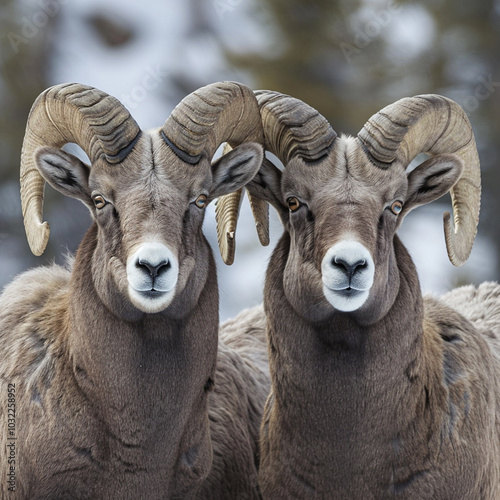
<point x="396" y="207"/>
<point x="201" y="201"/>
<point x="99" y="201"/>
<point x="293" y="204"/>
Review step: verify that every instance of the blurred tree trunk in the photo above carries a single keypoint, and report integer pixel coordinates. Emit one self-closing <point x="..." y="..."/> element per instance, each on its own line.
<point x="24" y="63"/>
<point x="349" y="59"/>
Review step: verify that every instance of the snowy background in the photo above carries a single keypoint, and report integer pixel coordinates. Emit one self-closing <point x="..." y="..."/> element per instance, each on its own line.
<point x="150" y="54"/>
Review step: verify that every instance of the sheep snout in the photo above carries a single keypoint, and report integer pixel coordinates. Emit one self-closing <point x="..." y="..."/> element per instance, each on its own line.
<point x="152" y="273"/>
<point x="347" y="274"/>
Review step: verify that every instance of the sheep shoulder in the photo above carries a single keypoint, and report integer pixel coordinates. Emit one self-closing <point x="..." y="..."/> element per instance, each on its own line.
<point x="33" y="321"/>
<point x="480" y="305"/>
<point x="468" y="323"/>
<point x="246" y="335"/>
<point x="240" y="389"/>
<point x="462" y="385"/>
<point x="34" y="325"/>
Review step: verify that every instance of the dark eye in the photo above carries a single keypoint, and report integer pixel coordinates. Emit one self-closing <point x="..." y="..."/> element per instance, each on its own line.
<point x="396" y="207"/>
<point x="293" y="204"/>
<point x="99" y="201"/>
<point x="201" y="201"/>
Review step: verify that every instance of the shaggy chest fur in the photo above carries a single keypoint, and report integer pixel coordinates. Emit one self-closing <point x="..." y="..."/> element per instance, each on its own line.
<point x="65" y="446"/>
<point x="68" y="443"/>
<point x="411" y="415"/>
<point x="412" y="438"/>
<point x="86" y="459"/>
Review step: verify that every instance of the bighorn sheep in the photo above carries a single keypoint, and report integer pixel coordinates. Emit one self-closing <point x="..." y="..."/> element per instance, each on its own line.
<point x="377" y="392"/>
<point x="108" y="366"/>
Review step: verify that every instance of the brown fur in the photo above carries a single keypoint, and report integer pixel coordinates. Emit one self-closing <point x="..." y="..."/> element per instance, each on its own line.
<point x="113" y="402"/>
<point x="397" y="399"/>
<point x="236" y="404"/>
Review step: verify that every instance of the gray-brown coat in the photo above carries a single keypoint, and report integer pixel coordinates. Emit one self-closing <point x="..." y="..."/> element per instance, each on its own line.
<point x="111" y="362"/>
<point x="377" y="392"/>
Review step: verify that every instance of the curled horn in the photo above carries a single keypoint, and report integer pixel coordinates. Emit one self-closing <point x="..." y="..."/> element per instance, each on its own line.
<point x="201" y="122"/>
<point x="293" y="128"/>
<point x="227" y="209"/>
<point x="217" y="113"/>
<point x="436" y="125"/>
<point x="65" y="113"/>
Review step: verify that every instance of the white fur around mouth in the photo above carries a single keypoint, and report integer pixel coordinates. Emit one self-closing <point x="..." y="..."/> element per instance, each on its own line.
<point x="347" y="299"/>
<point x="151" y="301"/>
<point x="347" y="272"/>
<point x="152" y="274"/>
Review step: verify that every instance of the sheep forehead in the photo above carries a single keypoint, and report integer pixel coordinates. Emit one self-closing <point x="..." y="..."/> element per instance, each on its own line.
<point x="151" y="191"/>
<point x="353" y="164"/>
<point x="151" y="173"/>
<point x="345" y="176"/>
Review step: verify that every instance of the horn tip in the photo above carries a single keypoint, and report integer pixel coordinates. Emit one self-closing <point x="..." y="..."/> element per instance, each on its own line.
<point x="263" y="233"/>
<point x="227" y="248"/>
<point x="38" y="238"/>
<point x="457" y="253"/>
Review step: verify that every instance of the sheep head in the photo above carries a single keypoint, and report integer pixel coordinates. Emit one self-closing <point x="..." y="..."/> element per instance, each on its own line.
<point x="146" y="191"/>
<point x="341" y="199"/>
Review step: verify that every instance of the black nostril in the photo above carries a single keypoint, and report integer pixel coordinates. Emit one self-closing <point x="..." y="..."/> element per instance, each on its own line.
<point x="154" y="269"/>
<point x="163" y="266"/>
<point x="351" y="268"/>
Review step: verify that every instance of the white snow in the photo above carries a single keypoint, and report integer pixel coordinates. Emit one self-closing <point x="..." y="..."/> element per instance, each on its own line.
<point x="169" y="44"/>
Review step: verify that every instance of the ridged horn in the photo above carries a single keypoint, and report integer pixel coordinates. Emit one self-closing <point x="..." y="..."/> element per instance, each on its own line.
<point x="436" y="125"/>
<point x="227" y="209"/>
<point x="217" y="113"/>
<point x="66" y="113"/>
<point x="260" y="211"/>
<point x="200" y="123"/>
<point x="293" y="128"/>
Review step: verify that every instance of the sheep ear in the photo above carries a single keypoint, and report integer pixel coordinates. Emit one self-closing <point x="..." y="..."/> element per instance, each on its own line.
<point x="233" y="170"/>
<point x="266" y="185"/>
<point x="64" y="172"/>
<point x="431" y="180"/>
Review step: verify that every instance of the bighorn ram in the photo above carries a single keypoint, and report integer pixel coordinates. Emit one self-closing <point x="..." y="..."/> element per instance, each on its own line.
<point x="377" y="392"/>
<point x="108" y="366"/>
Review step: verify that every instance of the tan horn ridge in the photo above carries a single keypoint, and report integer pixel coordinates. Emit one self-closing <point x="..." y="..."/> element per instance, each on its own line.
<point x="65" y="113"/>
<point x="293" y="128"/>
<point x="217" y="113"/>
<point x="200" y="123"/>
<point x="435" y="125"/>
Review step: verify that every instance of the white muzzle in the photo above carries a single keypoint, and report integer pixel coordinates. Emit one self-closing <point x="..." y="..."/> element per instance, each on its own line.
<point x="152" y="273"/>
<point x="347" y="273"/>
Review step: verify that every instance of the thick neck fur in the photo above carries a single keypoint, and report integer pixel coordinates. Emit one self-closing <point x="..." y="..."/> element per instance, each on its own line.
<point x="342" y="393"/>
<point x="146" y="378"/>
